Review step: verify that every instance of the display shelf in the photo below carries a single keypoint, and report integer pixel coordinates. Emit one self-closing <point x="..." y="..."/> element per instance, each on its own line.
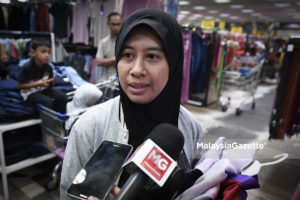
<point x="5" y="170"/>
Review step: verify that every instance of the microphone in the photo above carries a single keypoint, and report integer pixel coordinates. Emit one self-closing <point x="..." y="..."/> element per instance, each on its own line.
<point x="155" y="158"/>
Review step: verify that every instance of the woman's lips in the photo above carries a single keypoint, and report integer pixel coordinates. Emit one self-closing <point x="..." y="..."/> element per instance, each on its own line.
<point x="138" y="88"/>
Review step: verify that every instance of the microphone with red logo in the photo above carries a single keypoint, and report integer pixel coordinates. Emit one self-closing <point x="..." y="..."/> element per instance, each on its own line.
<point x="155" y="158"/>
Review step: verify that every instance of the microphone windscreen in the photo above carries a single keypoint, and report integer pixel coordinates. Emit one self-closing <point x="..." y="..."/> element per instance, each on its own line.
<point x="169" y="138"/>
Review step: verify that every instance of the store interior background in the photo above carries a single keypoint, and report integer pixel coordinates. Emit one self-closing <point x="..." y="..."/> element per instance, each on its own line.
<point x="261" y="19"/>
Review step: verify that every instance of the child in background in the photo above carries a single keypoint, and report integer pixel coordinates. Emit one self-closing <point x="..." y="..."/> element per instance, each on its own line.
<point x="36" y="78"/>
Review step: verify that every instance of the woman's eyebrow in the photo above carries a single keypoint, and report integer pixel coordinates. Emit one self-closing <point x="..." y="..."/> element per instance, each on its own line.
<point x="126" y="46"/>
<point x="154" y="48"/>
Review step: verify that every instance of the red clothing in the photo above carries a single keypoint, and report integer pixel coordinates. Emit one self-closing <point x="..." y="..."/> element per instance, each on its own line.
<point x="232" y="190"/>
<point x="42" y="18"/>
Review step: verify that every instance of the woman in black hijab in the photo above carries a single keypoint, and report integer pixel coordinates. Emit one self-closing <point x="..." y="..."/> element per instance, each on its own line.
<point x="142" y="118"/>
<point x="149" y="61"/>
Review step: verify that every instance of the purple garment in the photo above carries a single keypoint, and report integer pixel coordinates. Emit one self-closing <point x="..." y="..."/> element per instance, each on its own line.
<point x="248" y="182"/>
<point x="81" y="14"/>
<point x="296" y="195"/>
<point x="187" y="41"/>
<point x="129" y="6"/>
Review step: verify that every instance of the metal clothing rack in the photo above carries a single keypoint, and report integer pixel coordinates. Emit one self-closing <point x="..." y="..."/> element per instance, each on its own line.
<point x="7" y="169"/>
<point x="27" y="34"/>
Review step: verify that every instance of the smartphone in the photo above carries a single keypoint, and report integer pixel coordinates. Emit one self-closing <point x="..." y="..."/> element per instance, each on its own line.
<point x="101" y="171"/>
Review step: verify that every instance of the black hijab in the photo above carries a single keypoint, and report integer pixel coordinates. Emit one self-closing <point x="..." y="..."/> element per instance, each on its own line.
<point x="140" y="119"/>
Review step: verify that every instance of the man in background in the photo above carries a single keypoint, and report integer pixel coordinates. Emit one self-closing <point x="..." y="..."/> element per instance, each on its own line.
<point x="105" y="57"/>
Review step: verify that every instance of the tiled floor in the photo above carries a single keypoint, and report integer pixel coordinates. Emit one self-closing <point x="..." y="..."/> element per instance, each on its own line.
<point x="278" y="182"/>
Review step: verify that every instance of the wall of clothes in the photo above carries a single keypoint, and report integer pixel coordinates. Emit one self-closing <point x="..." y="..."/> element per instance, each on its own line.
<point x="206" y="53"/>
<point x="58" y="17"/>
<point x="285" y="116"/>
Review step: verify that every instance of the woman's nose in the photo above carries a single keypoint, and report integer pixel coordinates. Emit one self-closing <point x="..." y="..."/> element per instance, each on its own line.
<point x="138" y="67"/>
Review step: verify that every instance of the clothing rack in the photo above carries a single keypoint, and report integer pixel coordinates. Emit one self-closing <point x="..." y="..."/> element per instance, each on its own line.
<point x="28" y="34"/>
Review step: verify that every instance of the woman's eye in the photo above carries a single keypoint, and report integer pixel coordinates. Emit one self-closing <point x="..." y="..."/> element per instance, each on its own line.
<point x="128" y="55"/>
<point x="152" y="56"/>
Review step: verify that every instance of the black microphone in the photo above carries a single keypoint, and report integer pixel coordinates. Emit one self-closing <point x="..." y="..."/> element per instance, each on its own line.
<point x="170" y="140"/>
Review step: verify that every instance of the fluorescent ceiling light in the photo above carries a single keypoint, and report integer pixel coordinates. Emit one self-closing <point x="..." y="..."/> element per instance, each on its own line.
<point x="23" y="0"/>
<point x="222" y="1"/>
<point x="180" y="17"/>
<point x="184" y="12"/>
<point x="247" y="11"/>
<point x="199" y="7"/>
<point x="197" y="15"/>
<point x="224" y="15"/>
<point x="4" y="1"/>
<point x="237" y="6"/>
<point x="256" y="14"/>
<point x="281" y="5"/>
<point x="213" y="11"/>
<point x="184" y="3"/>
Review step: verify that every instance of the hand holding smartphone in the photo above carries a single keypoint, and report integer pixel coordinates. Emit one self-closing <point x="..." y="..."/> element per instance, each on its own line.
<point x="101" y="171"/>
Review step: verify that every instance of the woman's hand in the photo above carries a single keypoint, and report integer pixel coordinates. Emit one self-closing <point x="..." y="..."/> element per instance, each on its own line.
<point x="115" y="191"/>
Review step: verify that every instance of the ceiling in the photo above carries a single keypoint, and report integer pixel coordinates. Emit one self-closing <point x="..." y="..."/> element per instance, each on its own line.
<point x="239" y="11"/>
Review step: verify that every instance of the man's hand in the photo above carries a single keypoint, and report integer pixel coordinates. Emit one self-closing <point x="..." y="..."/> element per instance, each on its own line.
<point x="115" y="190"/>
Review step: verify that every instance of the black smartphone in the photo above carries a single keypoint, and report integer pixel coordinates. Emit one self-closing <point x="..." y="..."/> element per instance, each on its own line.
<point x="101" y="171"/>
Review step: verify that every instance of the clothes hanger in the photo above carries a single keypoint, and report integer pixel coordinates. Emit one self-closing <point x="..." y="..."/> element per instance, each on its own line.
<point x="254" y="168"/>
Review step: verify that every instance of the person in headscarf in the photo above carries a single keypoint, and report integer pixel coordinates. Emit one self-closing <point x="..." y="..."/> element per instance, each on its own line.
<point x="149" y="63"/>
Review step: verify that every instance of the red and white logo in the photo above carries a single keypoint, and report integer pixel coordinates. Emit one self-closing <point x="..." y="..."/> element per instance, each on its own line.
<point x="153" y="161"/>
<point x="156" y="163"/>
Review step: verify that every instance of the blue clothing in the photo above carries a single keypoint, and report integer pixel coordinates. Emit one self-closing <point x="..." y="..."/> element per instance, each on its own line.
<point x="8" y="84"/>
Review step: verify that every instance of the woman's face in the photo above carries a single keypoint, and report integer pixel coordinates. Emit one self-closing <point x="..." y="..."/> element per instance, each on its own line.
<point x="143" y="68"/>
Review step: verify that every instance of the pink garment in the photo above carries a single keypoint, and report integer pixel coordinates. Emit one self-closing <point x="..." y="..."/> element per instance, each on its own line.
<point x="187" y="41"/>
<point x="92" y="78"/>
<point x="79" y="29"/>
<point x="13" y="51"/>
<point x="129" y="6"/>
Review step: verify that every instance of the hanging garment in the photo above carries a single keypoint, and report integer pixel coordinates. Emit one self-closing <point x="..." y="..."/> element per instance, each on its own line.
<point x="129" y="6"/>
<point x="24" y="18"/>
<point x="79" y="29"/>
<point x="13" y="19"/>
<point x="32" y="18"/>
<point x="289" y="106"/>
<point x="42" y="21"/>
<point x="275" y="114"/>
<point x="187" y="41"/>
<point x="3" y="24"/>
<point x="61" y="13"/>
<point x="98" y="28"/>
<point x="198" y="64"/>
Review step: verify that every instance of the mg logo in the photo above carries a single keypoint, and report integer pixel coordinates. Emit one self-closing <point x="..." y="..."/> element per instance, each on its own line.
<point x="156" y="162"/>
